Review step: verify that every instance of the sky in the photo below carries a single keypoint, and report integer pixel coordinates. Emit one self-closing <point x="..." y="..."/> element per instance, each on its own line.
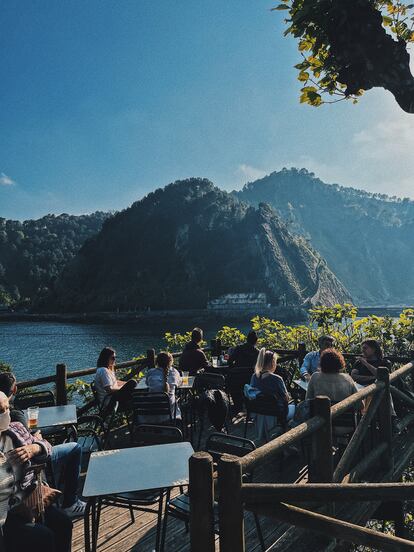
<point x="102" y="101"/>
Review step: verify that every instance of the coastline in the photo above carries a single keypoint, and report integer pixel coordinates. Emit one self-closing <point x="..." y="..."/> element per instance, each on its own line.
<point x="284" y="314"/>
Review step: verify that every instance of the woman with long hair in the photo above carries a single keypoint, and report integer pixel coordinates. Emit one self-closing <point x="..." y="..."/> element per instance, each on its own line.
<point x="164" y="378"/>
<point x="108" y="388"/>
<point x="268" y="383"/>
<point x="365" y="368"/>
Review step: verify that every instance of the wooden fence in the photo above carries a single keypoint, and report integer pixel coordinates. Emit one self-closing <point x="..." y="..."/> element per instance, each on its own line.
<point x="371" y="445"/>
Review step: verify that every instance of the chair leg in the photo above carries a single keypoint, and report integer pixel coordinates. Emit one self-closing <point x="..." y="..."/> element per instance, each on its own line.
<point x="245" y="425"/>
<point x="131" y="511"/>
<point x="259" y="532"/>
<point x="162" y="524"/>
<point x="98" y="515"/>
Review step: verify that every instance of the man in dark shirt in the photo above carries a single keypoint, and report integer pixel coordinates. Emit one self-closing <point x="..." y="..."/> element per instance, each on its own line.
<point x="246" y="354"/>
<point x="193" y="357"/>
<point x="243" y="356"/>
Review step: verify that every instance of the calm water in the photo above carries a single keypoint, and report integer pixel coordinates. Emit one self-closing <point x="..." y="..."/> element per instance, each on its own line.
<point x="34" y="348"/>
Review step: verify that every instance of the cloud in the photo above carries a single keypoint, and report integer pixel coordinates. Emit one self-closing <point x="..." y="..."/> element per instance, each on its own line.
<point x="251" y="173"/>
<point x="6" y="180"/>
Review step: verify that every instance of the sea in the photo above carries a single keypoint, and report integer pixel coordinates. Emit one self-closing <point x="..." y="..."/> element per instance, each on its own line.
<point x="33" y="349"/>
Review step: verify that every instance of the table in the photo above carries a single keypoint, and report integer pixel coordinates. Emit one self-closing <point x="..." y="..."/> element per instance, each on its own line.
<point x="130" y="470"/>
<point x="56" y="416"/>
<point x="301" y="383"/>
<point x="142" y="384"/>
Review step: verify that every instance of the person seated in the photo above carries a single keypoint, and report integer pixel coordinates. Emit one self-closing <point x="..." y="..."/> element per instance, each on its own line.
<point x="193" y="357"/>
<point x="21" y="449"/>
<point x="65" y="458"/>
<point x="364" y="371"/>
<point x="164" y="378"/>
<point x="310" y="363"/>
<point x="331" y="381"/>
<point x="108" y="388"/>
<point x="245" y="355"/>
<point x="268" y="383"/>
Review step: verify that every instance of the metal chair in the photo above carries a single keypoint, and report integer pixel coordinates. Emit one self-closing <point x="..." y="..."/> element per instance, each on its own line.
<point x="236" y="379"/>
<point x="144" y="501"/>
<point x="105" y="413"/>
<point x="23" y="400"/>
<point x="204" y="382"/>
<point x="265" y="405"/>
<point x="217" y="444"/>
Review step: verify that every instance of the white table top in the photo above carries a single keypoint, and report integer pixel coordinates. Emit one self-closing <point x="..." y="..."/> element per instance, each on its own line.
<point x="137" y="469"/>
<point x="50" y="416"/>
<point x="142" y="384"/>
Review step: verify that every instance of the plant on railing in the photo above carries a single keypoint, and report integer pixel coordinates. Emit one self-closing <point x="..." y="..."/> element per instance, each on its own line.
<point x="176" y="342"/>
<point x="4" y="367"/>
<point x="230" y="337"/>
<point x="79" y="389"/>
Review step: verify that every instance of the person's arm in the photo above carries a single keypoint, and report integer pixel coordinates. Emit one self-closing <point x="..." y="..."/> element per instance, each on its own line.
<point x="306" y="366"/>
<point x="203" y="360"/>
<point x="310" y="392"/>
<point x="35" y="447"/>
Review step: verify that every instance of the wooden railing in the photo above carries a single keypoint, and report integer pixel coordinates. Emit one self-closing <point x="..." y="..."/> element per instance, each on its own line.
<point x="370" y="445"/>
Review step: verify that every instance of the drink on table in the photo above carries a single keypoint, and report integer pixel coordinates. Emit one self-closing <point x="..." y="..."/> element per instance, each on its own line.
<point x="185" y="378"/>
<point x="214" y="361"/>
<point x="32" y="416"/>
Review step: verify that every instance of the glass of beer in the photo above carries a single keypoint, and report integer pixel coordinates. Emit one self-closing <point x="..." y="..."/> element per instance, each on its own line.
<point x="32" y="416"/>
<point x="185" y="378"/>
<point x="214" y="360"/>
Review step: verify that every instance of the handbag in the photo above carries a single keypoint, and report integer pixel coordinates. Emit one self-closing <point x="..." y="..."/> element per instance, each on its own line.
<point x="37" y="497"/>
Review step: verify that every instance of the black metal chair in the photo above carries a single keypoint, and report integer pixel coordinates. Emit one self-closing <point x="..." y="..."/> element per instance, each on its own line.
<point x="144" y="501"/>
<point x="217" y="444"/>
<point x="23" y="400"/>
<point x="106" y="413"/>
<point x="265" y="405"/>
<point x="236" y="379"/>
<point x="204" y="382"/>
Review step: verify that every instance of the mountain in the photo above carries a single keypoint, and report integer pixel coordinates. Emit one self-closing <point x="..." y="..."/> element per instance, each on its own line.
<point x="185" y="244"/>
<point x="33" y="252"/>
<point x="367" y="239"/>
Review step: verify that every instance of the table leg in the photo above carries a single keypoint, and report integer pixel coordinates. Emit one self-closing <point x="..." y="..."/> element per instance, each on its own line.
<point x="94" y="526"/>
<point x="87" y="526"/>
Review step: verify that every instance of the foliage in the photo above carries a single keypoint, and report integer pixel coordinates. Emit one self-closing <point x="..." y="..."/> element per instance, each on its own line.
<point x="176" y="342"/>
<point x="34" y="252"/>
<point x="345" y="48"/>
<point x="4" y="367"/>
<point x="372" y="267"/>
<point x="341" y="321"/>
<point x="230" y="337"/>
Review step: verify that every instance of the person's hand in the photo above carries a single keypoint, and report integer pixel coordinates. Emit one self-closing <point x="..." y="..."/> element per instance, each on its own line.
<point x="38" y="435"/>
<point x="22" y="455"/>
<point x="362" y="360"/>
<point x="306" y="377"/>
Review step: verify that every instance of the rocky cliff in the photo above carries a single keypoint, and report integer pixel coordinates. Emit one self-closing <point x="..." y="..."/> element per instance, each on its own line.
<point x="185" y="244"/>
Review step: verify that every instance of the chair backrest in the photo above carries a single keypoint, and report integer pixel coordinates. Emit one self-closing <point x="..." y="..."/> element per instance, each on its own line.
<point x="150" y="404"/>
<point x="206" y="381"/>
<point x="236" y="378"/>
<point x="146" y="434"/>
<point x="34" y="398"/>
<point x="264" y="404"/>
<point x="220" y="443"/>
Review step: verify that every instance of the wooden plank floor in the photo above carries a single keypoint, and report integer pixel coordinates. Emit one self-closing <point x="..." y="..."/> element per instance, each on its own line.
<point x="118" y="534"/>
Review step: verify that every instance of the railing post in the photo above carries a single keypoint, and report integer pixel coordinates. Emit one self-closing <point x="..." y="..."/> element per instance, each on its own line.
<point x="201" y="491"/>
<point x="384" y="418"/>
<point x="151" y="358"/>
<point x="301" y="353"/>
<point x="61" y="381"/>
<point x="321" y="462"/>
<point x="231" y="514"/>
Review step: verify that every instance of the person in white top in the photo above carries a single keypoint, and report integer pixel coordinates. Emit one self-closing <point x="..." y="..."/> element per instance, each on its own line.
<point x="165" y="378"/>
<point x="108" y="388"/>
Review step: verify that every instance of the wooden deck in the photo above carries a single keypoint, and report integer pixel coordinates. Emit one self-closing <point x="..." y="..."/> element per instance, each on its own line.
<point x="118" y="534"/>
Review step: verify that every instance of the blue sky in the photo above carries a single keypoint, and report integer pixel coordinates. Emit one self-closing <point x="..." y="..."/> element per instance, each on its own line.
<point x="102" y="101"/>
